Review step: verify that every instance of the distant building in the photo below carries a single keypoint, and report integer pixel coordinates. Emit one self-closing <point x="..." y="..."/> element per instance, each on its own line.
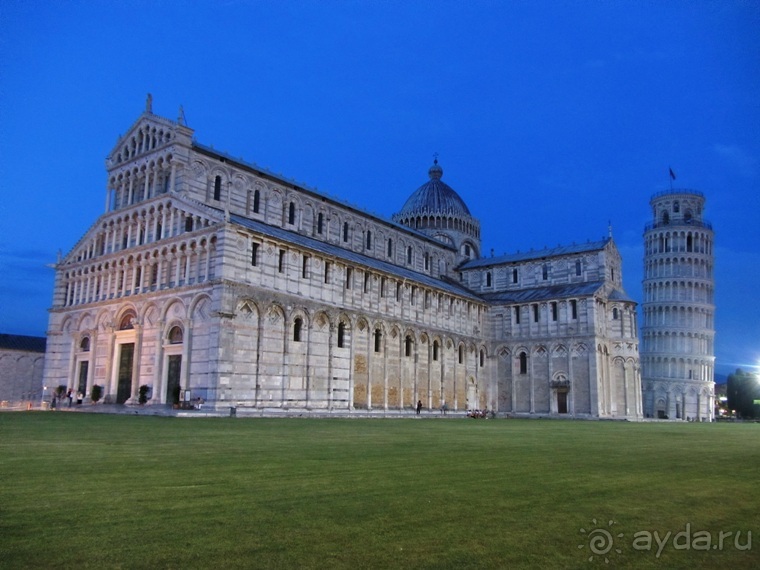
<point x="22" y="359"/>
<point x="210" y="277"/>
<point x="677" y="347"/>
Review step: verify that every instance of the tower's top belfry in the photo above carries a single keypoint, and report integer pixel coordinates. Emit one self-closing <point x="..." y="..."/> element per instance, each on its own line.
<point x="677" y="207"/>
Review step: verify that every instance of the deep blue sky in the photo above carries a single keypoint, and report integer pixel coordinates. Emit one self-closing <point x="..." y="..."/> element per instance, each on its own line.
<point x="551" y="118"/>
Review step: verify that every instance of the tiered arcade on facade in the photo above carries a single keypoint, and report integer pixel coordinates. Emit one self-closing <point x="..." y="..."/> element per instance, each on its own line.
<point x="677" y="350"/>
<point x="209" y="277"/>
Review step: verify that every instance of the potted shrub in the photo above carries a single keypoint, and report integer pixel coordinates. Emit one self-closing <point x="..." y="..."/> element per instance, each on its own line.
<point x="143" y="397"/>
<point x="97" y="393"/>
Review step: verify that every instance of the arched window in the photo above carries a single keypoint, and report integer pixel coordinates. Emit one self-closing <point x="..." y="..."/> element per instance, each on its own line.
<point x="488" y="279"/>
<point x="378" y="339"/>
<point x="435" y="350"/>
<point x="687" y="217"/>
<point x="345" y="231"/>
<point x="292" y="213"/>
<point x="482" y="358"/>
<point x="341" y="334"/>
<point x="409" y="255"/>
<point x="218" y="188"/>
<point x="523" y="363"/>
<point x="369" y="240"/>
<point x="320" y="221"/>
<point x="297" y="326"/>
<point x="461" y="354"/>
<point x="615" y="313"/>
<point x="676" y="207"/>
<point x="665" y="218"/>
<point x="84" y="346"/>
<point x="545" y="272"/>
<point x="175" y="335"/>
<point x="256" y="200"/>
<point x="390" y="247"/>
<point x="254" y="253"/>
<point x="408" y="346"/>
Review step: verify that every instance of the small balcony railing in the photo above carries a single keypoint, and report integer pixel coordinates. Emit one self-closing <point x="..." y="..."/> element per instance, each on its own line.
<point x="678" y="224"/>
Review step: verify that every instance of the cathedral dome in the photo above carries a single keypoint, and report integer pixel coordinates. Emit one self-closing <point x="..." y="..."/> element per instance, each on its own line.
<point x="437" y="210"/>
<point x="434" y="198"/>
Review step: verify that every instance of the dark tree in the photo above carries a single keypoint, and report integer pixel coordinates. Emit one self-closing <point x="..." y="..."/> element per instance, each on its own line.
<point x="97" y="392"/>
<point x="143" y="397"/>
<point x="742" y="389"/>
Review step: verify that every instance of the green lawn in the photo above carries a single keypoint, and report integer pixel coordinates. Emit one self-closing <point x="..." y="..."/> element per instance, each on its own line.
<point x="107" y="491"/>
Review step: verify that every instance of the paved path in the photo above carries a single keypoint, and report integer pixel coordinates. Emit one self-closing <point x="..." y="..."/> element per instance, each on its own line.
<point x="244" y="412"/>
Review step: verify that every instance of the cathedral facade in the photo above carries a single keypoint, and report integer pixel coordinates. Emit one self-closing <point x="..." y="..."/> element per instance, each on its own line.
<point x="210" y="277"/>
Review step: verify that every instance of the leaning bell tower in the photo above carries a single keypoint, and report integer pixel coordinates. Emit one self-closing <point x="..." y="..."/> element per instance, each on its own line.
<point x="677" y="344"/>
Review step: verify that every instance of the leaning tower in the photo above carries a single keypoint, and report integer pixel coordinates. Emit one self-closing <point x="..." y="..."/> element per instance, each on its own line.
<point x="677" y="354"/>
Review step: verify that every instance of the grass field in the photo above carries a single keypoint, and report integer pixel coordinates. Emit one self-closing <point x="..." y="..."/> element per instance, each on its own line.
<point x="108" y="491"/>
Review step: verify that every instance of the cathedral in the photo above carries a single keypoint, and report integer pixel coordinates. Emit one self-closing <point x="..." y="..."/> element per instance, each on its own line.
<point x="208" y="278"/>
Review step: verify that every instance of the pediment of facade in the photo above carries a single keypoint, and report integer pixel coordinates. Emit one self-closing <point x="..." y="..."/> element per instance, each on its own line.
<point x="147" y="134"/>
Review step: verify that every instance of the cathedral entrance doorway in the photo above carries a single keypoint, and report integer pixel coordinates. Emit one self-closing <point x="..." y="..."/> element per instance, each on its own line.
<point x="174" y="367"/>
<point x="124" y="387"/>
<point x="560" y="386"/>
<point x="83" y="368"/>
<point x="561" y="402"/>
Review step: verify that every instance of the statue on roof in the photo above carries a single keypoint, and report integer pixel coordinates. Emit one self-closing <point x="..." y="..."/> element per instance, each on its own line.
<point x="149" y="103"/>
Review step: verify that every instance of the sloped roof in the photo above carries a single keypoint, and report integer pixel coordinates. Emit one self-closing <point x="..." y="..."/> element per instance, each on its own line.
<point x="545" y="293"/>
<point x="318" y="194"/>
<point x="619" y="295"/>
<point x="536" y="254"/>
<point x="537" y="294"/>
<point x="353" y="257"/>
<point x="23" y="343"/>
